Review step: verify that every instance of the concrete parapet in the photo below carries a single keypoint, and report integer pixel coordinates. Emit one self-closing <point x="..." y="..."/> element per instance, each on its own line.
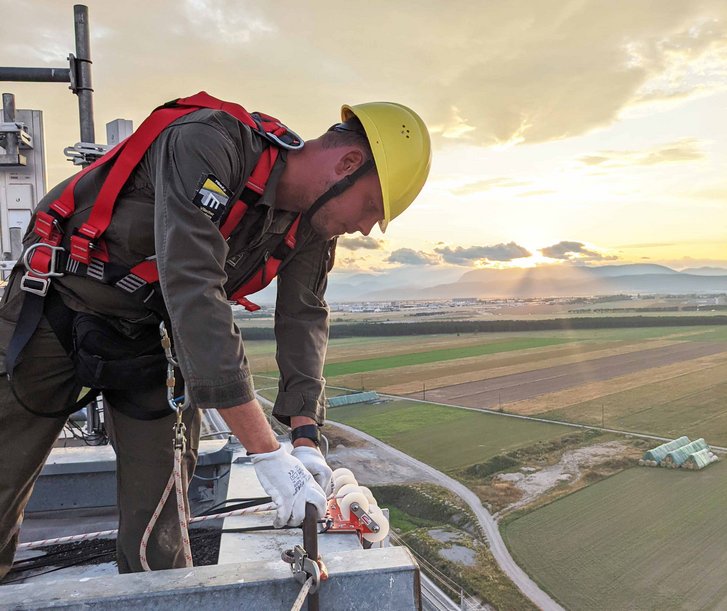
<point x="375" y="579"/>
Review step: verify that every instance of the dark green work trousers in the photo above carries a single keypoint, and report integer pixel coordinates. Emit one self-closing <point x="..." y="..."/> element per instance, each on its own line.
<point x="144" y="451"/>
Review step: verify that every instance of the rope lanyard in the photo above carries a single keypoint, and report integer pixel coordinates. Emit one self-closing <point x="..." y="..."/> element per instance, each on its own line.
<point x="177" y="479"/>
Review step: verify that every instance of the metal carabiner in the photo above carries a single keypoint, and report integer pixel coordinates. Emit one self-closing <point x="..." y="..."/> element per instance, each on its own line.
<point x="166" y="342"/>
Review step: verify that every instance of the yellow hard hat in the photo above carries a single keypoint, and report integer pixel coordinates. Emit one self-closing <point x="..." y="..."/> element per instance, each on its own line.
<point x="402" y="151"/>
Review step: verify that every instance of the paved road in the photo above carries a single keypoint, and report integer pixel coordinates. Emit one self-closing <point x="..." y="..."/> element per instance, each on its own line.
<point x="497" y="546"/>
<point x="493" y="392"/>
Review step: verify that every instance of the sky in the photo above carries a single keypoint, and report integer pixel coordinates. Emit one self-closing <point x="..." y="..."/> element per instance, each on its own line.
<point x="569" y="132"/>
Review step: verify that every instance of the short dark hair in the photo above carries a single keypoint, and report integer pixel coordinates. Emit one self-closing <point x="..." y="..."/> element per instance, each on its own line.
<point x="350" y="133"/>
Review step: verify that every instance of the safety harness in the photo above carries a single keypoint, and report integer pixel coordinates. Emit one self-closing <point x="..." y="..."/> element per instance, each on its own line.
<point x="87" y="254"/>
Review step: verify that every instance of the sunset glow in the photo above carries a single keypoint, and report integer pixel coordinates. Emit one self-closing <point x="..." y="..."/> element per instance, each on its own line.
<point x="593" y="130"/>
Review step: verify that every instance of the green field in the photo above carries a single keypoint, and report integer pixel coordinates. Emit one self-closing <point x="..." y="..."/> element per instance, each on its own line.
<point x="643" y="539"/>
<point x="688" y="404"/>
<point x="437" y="356"/>
<point x="444" y="437"/>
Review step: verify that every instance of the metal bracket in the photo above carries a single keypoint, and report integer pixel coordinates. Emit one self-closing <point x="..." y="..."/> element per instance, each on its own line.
<point x="84" y="153"/>
<point x="364" y="518"/>
<point x="25" y="140"/>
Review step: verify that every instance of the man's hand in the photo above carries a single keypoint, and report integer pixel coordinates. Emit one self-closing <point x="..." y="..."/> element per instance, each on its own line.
<point x="315" y="463"/>
<point x="290" y="485"/>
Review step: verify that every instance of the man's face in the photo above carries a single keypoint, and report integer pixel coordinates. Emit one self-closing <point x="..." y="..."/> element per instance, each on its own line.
<point x="358" y="208"/>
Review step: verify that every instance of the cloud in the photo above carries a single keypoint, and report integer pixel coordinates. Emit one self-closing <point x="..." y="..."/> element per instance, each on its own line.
<point x="480" y="186"/>
<point x="537" y="192"/>
<point x="469" y="255"/>
<point x="574" y="251"/>
<point x="686" y="149"/>
<point x="648" y="245"/>
<point x="541" y="71"/>
<point x="496" y="72"/>
<point x="360" y="242"/>
<point x="232" y="22"/>
<point x="408" y="256"/>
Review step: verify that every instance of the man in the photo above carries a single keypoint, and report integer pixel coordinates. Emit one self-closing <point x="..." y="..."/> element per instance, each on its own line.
<point x="175" y="213"/>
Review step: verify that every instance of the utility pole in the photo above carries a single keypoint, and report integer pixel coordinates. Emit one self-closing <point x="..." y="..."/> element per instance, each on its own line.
<point x="84" y="89"/>
<point x="78" y="74"/>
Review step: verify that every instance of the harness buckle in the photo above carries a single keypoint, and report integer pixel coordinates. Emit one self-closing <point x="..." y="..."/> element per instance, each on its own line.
<point x="246" y="303"/>
<point x="47" y="227"/>
<point x="81" y="249"/>
<point x="51" y="260"/>
<point x="34" y="284"/>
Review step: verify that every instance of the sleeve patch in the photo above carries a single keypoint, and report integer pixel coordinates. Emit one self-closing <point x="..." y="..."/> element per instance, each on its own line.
<point x="212" y="198"/>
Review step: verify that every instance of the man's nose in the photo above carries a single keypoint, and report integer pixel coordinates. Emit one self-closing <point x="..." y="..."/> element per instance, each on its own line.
<point x="366" y="226"/>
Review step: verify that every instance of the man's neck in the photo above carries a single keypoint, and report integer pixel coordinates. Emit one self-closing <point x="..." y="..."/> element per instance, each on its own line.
<point x="290" y="193"/>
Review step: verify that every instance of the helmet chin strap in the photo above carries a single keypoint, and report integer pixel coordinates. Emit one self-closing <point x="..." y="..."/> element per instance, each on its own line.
<point x="345" y="183"/>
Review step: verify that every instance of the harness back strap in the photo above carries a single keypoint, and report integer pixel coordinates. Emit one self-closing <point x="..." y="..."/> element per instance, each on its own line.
<point x="134" y="148"/>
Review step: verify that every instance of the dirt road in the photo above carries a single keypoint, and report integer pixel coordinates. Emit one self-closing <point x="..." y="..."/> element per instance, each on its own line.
<point x="497" y="546"/>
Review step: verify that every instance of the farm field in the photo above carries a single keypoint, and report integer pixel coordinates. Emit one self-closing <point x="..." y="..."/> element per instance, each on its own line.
<point x="663" y="381"/>
<point x="527" y="385"/>
<point x="641" y="539"/>
<point x="446" y="438"/>
<point x="691" y="402"/>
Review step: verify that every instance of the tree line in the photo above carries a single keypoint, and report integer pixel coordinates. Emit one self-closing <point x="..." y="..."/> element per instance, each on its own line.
<point x="432" y="327"/>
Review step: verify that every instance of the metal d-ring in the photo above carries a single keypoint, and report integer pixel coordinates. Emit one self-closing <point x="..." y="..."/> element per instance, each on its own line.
<point x="51" y="266"/>
<point x="287" y="145"/>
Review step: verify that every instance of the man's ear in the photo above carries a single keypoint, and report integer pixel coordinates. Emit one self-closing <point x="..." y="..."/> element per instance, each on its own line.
<point x="349" y="162"/>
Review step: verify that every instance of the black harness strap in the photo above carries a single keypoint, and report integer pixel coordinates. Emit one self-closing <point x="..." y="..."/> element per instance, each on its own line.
<point x="60" y="318"/>
<point x="30" y="314"/>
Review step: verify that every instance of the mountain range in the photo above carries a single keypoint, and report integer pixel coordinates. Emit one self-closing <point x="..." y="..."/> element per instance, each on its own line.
<point x="421" y="283"/>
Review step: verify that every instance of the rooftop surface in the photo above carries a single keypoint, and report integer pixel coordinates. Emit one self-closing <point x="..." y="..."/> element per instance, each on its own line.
<point x="76" y="494"/>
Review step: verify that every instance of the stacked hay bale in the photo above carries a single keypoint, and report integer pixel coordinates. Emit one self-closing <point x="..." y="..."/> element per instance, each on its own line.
<point x="676" y="458"/>
<point x="699" y="460"/>
<point x="653" y="457"/>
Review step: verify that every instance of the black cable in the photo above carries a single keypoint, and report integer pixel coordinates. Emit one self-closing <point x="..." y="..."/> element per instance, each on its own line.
<point x="29" y="564"/>
<point x="240" y="504"/>
<point x="211" y="479"/>
<point x="90" y="439"/>
<point x="58" y="568"/>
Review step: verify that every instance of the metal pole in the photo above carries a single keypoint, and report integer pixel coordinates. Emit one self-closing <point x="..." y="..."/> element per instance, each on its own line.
<point x="40" y="75"/>
<point x="84" y="90"/>
<point x="11" y="142"/>
<point x="310" y="545"/>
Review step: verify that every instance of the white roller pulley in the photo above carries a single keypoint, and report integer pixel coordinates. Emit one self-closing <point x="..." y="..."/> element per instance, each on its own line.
<point x="344" y="504"/>
<point x="341" y="481"/>
<point x="347" y="489"/>
<point x="377" y="516"/>
<point x="340" y="471"/>
<point x="369" y="496"/>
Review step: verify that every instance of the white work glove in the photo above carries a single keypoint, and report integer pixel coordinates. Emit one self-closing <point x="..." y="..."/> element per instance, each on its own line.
<point x="315" y="463"/>
<point x="289" y="485"/>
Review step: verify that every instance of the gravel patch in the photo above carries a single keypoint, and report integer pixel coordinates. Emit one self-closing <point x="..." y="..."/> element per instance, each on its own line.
<point x="568" y="468"/>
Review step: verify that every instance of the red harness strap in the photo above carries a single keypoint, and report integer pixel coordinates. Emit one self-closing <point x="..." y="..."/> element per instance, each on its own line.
<point x="86" y="246"/>
<point x="147" y="270"/>
<point x="267" y="272"/>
